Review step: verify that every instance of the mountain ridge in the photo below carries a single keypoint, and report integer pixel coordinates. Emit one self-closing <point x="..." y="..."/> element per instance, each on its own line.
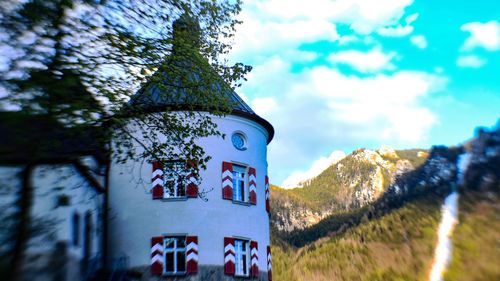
<point x="353" y="182"/>
<point x="393" y="237"/>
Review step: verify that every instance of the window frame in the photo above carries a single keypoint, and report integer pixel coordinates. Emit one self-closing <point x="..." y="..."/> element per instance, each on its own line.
<point x="242" y="137"/>
<point x="238" y="257"/>
<point x="245" y="191"/>
<point x="180" y="179"/>
<point x="75" y="229"/>
<point x="175" y="249"/>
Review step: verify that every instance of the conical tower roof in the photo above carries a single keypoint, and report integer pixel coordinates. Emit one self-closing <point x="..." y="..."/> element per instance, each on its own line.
<point x="177" y="85"/>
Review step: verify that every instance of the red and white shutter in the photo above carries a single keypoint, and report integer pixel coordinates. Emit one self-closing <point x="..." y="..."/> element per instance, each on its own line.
<point x="227" y="180"/>
<point x="157" y="180"/>
<point x="192" y="254"/>
<point x="269" y="264"/>
<point x="254" y="260"/>
<point x="191" y="179"/>
<point x="229" y="256"/>
<point x="252" y="185"/>
<point x="157" y="255"/>
<point x="268" y="205"/>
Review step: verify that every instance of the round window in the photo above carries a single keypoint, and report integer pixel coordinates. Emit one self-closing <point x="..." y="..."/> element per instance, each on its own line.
<point x="239" y="141"/>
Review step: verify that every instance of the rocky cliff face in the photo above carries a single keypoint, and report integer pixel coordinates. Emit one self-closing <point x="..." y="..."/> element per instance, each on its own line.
<point x="405" y="216"/>
<point x="355" y="181"/>
<point x="365" y="175"/>
<point x="288" y="215"/>
<point x="483" y="172"/>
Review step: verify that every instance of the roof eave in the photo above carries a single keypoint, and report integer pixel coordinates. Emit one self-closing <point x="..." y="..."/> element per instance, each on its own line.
<point x="251" y="116"/>
<point x="259" y="120"/>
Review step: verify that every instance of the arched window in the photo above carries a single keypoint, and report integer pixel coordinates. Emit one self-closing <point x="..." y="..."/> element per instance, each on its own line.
<point x="75" y="229"/>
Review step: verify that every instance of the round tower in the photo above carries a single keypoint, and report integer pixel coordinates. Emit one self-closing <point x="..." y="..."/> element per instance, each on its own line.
<point x="164" y="230"/>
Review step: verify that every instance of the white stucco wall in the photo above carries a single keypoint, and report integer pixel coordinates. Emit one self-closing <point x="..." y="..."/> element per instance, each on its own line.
<point x="135" y="217"/>
<point x="49" y="182"/>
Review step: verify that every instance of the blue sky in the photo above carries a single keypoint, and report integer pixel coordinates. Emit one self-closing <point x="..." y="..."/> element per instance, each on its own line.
<point x="333" y="76"/>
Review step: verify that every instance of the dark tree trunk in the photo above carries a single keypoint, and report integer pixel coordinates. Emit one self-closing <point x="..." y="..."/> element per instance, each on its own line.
<point x="21" y="232"/>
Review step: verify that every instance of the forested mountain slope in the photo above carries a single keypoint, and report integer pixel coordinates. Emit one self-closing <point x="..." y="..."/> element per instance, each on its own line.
<point x="394" y="236"/>
<point x="356" y="181"/>
<point x="397" y="245"/>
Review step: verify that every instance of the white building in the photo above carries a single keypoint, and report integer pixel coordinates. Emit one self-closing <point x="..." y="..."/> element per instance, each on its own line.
<point x="64" y="236"/>
<point x="169" y="230"/>
<point x="165" y="229"/>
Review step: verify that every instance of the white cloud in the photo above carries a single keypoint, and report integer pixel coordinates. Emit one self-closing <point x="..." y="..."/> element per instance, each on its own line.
<point x="344" y="40"/>
<point x="321" y="109"/>
<point x="411" y="18"/>
<point x="399" y="30"/>
<point x="371" y="61"/>
<point x="419" y="41"/>
<point x="273" y="25"/>
<point x="298" y="177"/>
<point x="363" y="15"/>
<point x="484" y="35"/>
<point x="260" y="36"/>
<point x="263" y="106"/>
<point x="471" y="61"/>
<point x="316" y="109"/>
<point x="396" y="31"/>
<point x="384" y="106"/>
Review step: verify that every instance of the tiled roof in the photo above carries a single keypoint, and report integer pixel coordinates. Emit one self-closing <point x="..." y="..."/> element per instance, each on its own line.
<point x="187" y="80"/>
<point x="155" y="96"/>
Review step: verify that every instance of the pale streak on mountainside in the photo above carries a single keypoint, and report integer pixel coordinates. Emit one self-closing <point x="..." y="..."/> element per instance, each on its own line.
<point x="442" y="255"/>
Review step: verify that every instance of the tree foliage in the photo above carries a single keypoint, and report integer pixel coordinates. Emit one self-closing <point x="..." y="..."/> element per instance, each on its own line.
<point x="80" y="61"/>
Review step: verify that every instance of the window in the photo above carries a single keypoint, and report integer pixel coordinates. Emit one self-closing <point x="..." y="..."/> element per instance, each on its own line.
<point x="175" y="179"/>
<point x="87" y="241"/>
<point x="175" y="254"/>
<point x="242" y="257"/>
<point x="239" y="183"/>
<point x="239" y="141"/>
<point x="75" y="229"/>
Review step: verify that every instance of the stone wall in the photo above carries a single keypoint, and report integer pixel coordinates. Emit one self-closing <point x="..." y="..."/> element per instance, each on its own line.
<point x="205" y="273"/>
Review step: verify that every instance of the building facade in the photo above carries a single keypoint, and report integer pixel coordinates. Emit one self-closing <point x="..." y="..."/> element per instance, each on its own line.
<point x="182" y="226"/>
<point x="147" y="219"/>
<point x="167" y="230"/>
<point x="63" y="194"/>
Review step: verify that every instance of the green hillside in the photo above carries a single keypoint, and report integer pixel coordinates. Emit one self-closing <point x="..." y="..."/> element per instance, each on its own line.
<point x="394" y="236"/>
<point x="400" y="245"/>
<point x="396" y="246"/>
<point x="346" y="187"/>
<point x="476" y="240"/>
<point x="335" y="186"/>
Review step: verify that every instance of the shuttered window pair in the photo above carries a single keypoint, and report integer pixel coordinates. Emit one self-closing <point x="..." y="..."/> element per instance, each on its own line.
<point x="174" y="255"/>
<point x="174" y="179"/>
<point x="241" y="257"/>
<point x="239" y="183"/>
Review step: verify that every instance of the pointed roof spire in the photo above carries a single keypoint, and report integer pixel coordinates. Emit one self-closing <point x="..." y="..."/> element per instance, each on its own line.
<point x="186" y="32"/>
<point x="175" y="85"/>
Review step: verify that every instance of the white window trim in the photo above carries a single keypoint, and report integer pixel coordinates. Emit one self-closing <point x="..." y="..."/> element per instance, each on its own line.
<point x="167" y="178"/>
<point x="246" y="196"/>
<point x="174" y="250"/>
<point x="237" y="254"/>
